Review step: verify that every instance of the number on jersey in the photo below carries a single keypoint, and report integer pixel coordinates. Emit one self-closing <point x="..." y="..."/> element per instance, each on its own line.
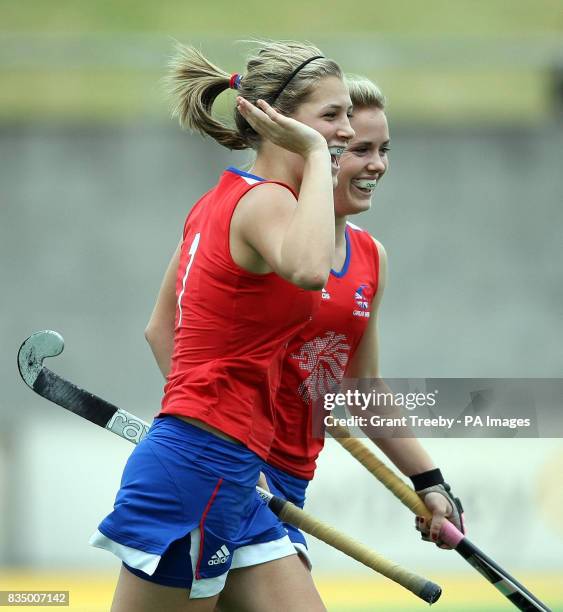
<point x="191" y="253"/>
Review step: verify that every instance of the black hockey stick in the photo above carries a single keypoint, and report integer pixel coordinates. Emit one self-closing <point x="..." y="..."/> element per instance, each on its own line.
<point x="62" y="392"/>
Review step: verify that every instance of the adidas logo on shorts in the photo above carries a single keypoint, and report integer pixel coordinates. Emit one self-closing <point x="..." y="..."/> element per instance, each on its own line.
<point x="220" y="556"/>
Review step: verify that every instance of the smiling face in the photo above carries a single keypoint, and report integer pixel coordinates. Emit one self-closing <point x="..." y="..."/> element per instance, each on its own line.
<point x="363" y="163"/>
<point x="327" y="109"/>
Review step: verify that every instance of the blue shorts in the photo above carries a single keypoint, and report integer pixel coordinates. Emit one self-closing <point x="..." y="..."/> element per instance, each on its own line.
<point x="288" y="487"/>
<point x="186" y="501"/>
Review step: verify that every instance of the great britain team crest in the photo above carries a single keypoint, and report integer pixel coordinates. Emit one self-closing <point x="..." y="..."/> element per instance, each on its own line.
<point x="362" y="299"/>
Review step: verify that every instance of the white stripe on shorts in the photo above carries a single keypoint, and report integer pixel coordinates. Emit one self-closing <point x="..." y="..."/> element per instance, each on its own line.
<point x="205" y="587"/>
<point x="146" y="562"/>
<point x="303" y="553"/>
<point x="254" y="554"/>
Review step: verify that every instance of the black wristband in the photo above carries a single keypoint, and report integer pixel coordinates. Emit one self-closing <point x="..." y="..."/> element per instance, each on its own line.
<point x="427" y="479"/>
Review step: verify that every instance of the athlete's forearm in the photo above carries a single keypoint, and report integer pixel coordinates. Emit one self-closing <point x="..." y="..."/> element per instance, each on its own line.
<point x="308" y="244"/>
<point x="407" y="453"/>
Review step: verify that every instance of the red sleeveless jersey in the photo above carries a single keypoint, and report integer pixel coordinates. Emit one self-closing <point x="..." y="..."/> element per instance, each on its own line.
<point x="317" y="356"/>
<point x="232" y="326"/>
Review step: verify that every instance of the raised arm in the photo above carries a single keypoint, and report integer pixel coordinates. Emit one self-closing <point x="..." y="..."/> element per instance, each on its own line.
<point x="295" y="238"/>
<point x="271" y="231"/>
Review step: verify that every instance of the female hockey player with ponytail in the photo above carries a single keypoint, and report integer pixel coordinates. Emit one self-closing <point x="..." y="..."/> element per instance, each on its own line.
<point x="255" y="252"/>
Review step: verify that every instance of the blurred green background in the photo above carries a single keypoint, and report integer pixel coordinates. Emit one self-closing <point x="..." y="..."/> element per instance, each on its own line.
<point x="436" y="60"/>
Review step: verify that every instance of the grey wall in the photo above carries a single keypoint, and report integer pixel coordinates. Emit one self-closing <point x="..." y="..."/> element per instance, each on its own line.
<point x="472" y="221"/>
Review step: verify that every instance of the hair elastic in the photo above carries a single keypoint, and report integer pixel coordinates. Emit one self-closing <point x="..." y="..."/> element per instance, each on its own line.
<point x="300" y="67"/>
<point x="234" y="81"/>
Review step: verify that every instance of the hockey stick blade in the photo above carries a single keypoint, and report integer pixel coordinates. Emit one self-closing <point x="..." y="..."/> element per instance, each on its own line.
<point x="51" y="386"/>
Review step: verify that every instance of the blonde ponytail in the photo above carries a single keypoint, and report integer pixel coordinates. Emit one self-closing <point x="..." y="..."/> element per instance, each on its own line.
<point x="195" y="83"/>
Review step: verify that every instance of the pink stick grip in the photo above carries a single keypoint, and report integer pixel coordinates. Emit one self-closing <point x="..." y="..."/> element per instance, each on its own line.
<point x="450" y="534"/>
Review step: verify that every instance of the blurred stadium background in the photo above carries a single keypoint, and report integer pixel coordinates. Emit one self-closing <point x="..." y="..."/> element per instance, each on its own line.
<point x="96" y="182"/>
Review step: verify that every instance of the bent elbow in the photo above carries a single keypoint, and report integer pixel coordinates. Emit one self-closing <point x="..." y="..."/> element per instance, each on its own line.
<point x="313" y="280"/>
<point x="149" y="334"/>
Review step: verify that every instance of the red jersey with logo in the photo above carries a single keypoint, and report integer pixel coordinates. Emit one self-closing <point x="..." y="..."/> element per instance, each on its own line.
<point x="232" y="326"/>
<point x="317" y="356"/>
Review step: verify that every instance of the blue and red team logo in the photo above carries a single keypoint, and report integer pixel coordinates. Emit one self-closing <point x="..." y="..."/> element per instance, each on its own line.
<point x="362" y="301"/>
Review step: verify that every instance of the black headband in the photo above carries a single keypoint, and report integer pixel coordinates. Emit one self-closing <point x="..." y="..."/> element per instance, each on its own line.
<point x="300" y="67"/>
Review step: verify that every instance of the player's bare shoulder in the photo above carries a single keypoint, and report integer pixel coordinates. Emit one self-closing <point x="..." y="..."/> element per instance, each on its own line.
<point x="266" y="200"/>
<point x="382" y="253"/>
<point x="261" y="213"/>
<point x="380" y="257"/>
<point x="258" y="224"/>
<point x="382" y="268"/>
